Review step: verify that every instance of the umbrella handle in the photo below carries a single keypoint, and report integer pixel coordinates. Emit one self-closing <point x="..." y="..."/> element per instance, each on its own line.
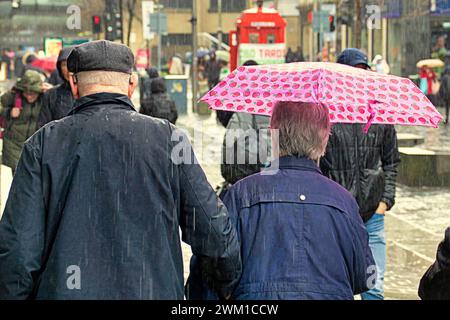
<point x="373" y="113"/>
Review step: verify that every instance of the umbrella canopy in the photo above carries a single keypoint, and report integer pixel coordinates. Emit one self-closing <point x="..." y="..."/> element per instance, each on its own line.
<point x="431" y="63"/>
<point x="47" y="64"/>
<point x="352" y="95"/>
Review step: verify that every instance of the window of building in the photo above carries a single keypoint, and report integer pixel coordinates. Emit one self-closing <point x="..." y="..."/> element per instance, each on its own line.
<point x="228" y="5"/>
<point x="253" y="37"/>
<point x="176" y="4"/>
<point x="270" y="38"/>
<point x="177" y="39"/>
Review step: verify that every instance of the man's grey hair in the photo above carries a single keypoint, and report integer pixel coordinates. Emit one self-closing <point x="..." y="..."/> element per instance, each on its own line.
<point x="303" y="129"/>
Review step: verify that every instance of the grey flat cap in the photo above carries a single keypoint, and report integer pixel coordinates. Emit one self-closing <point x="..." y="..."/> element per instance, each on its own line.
<point x="101" y="55"/>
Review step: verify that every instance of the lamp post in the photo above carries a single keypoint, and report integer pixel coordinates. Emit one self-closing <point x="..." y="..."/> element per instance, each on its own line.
<point x="194" y="55"/>
<point x="220" y="31"/>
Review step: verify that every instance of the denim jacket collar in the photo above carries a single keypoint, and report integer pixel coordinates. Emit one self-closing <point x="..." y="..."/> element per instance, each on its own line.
<point x="298" y="163"/>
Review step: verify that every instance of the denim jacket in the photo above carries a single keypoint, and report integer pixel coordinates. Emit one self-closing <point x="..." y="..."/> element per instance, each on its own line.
<point x="301" y="237"/>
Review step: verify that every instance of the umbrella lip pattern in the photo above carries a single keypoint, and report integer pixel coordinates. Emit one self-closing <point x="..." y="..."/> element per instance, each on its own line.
<point x="352" y="95"/>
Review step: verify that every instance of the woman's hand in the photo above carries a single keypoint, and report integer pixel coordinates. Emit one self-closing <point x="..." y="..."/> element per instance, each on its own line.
<point x="382" y="208"/>
<point x="15" y="112"/>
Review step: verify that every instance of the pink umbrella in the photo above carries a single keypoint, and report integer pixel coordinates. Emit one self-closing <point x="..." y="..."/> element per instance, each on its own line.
<point x="353" y="95"/>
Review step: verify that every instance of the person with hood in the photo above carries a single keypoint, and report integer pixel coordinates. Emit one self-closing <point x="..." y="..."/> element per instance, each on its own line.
<point x="99" y="198"/>
<point x="160" y="104"/>
<point x="28" y="59"/>
<point x="435" y="283"/>
<point x="367" y="166"/>
<point x="301" y="234"/>
<point x="212" y="70"/>
<point x="20" y="107"/>
<point x="290" y="56"/>
<point x="380" y="65"/>
<point x="58" y="101"/>
<point x="145" y="84"/>
<point x="444" y="91"/>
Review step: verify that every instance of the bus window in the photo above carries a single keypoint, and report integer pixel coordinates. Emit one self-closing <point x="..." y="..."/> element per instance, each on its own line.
<point x="254" y="37"/>
<point x="270" y="38"/>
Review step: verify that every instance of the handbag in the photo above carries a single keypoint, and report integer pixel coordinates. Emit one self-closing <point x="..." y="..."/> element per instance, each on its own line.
<point x="435" y="87"/>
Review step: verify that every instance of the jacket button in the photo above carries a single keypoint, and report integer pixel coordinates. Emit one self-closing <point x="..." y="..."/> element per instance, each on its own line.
<point x="302" y="197"/>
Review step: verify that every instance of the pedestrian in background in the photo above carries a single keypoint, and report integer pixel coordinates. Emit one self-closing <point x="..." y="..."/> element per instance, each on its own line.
<point x="301" y="234"/>
<point x="290" y="56"/>
<point x="97" y="202"/>
<point x="212" y="70"/>
<point x="444" y="92"/>
<point x="160" y="104"/>
<point x="366" y="165"/>
<point x="20" y="108"/>
<point x="58" y="101"/>
<point x="145" y="89"/>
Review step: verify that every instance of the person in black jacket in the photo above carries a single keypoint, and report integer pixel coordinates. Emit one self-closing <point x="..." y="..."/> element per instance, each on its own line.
<point x="58" y="101"/>
<point x="145" y="84"/>
<point x="160" y="104"/>
<point x="435" y="283"/>
<point x="444" y="91"/>
<point x="366" y="165"/>
<point x="99" y="198"/>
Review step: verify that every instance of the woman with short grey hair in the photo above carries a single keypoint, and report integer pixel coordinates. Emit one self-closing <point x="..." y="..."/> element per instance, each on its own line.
<point x="301" y="234"/>
<point x="303" y="129"/>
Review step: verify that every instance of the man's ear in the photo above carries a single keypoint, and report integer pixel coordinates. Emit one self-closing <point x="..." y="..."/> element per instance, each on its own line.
<point x="74" y="86"/>
<point x="132" y="85"/>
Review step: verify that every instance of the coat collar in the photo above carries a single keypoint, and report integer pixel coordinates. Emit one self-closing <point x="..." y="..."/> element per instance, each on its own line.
<point x="102" y="99"/>
<point x="298" y="163"/>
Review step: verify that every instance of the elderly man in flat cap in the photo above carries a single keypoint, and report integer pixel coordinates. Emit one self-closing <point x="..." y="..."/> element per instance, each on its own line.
<point x="98" y="199"/>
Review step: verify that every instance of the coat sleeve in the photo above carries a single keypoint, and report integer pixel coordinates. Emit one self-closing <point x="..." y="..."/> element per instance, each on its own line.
<point x="173" y="112"/>
<point x="390" y="161"/>
<point x="22" y="229"/>
<point x="434" y="284"/>
<point x="197" y="288"/>
<point x="207" y="228"/>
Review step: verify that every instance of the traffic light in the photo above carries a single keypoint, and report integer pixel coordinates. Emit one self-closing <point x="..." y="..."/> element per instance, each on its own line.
<point x="118" y="27"/>
<point x="113" y="21"/>
<point x="332" y="24"/>
<point x="96" y="24"/>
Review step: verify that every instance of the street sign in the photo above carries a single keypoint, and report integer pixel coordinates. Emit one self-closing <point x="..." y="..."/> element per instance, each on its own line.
<point x="262" y="53"/>
<point x="147" y="9"/>
<point x="158" y="23"/>
<point x="52" y="46"/>
<point x="321" y="21"/>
